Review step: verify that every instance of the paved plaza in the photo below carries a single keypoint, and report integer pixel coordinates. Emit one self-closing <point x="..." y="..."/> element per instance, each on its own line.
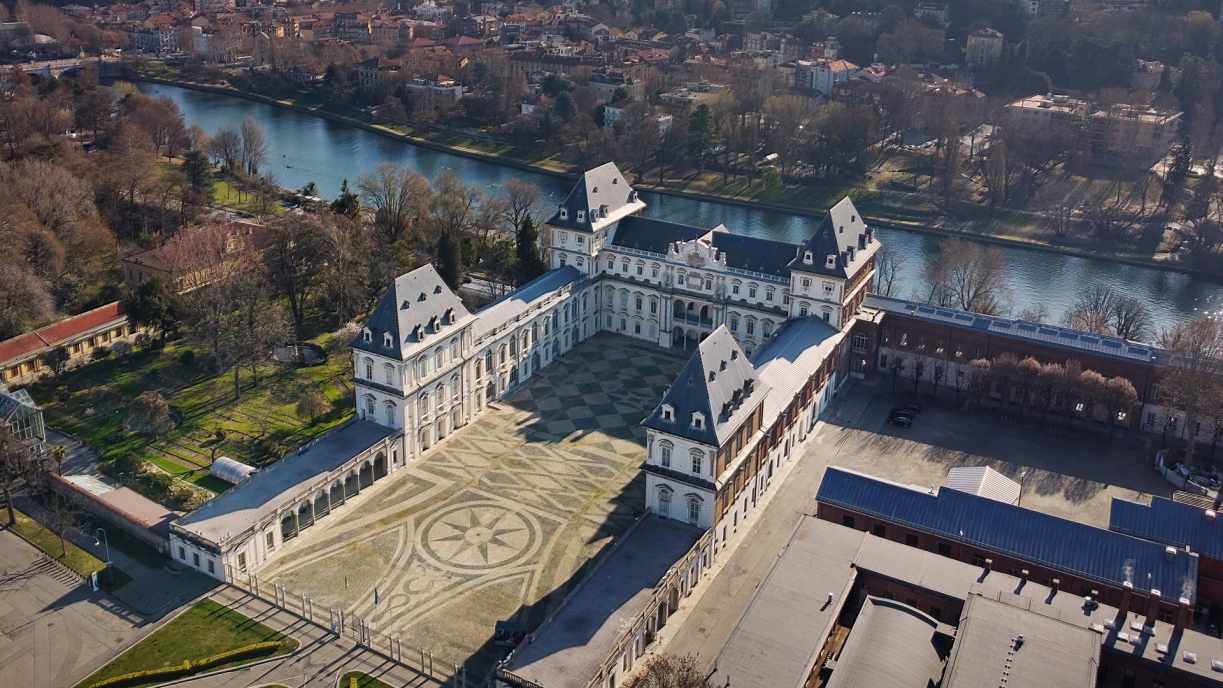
<point x="499" y="520"/>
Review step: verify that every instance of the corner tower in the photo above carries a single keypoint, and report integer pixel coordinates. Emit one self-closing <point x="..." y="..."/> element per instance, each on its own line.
<point x="584" y="222"/>
<point x="835" y="268"/>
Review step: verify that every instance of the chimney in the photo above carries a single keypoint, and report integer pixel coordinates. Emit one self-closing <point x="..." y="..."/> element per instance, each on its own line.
<point x="1184" y="615"/>
<point x="1056" y="583"/>
<point x="1152" y="608"/>
<point x="1127" y="593"/>
<point x="1023" y="575"/>
<point x="1211" y="514"/>
<point x="989" y="565"/>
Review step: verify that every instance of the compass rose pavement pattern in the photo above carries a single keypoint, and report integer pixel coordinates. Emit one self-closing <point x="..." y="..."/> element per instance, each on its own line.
<point x="498" y="521"/>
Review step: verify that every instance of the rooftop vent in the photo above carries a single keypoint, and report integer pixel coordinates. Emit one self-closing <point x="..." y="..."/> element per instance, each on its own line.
<point x="1211" y="515"/>
<point x="1170" y="553"/>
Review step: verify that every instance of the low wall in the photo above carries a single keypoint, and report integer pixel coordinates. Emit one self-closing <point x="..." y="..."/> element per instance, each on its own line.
<point x="115" y="517"/>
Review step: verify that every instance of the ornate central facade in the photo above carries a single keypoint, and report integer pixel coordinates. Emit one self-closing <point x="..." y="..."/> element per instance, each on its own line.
<point x="764" y="319"/>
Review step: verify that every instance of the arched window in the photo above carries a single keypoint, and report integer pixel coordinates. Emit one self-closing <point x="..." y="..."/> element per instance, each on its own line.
<point x="488" y="361"/>
<point x="454" y="349"/>
<point x="694" y="509"/>
<point x="664" y="454"/>
<point x="664" y="501"/>
<point x="513" y="346"/>
<point x="390" y="373"/>
<point x="859" y="340"/>
<point x="624" y="299"/>
<point x="422" y="368"/>
<point x="369" y="369"/>
<point x="424" y="405"/>
<point x="803" y="309"/>
<point x="766" y="328"/>
<point x="437" y="358"/>
<point x="369" y="406"/>
<point x="389" y="409"/>
<point x="698" y="459"/>
<point x="734" y="323"/>
<point x="439" y="397"/>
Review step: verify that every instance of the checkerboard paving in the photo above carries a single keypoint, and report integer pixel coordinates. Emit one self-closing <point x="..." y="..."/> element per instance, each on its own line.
<point x="498" y="521"/>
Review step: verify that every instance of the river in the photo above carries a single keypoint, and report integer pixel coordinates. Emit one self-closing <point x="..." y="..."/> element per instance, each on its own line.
<point x="303" y="148"/>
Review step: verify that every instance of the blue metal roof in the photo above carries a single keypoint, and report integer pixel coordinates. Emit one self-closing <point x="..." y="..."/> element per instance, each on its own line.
<point x="1169" y="523"/>
<point x="1091" y="553"/>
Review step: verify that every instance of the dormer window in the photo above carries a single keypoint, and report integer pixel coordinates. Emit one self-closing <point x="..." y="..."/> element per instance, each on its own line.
<point x="581" y="216"/>
<point x="367" y="335"/>
<point x="698" y="421"/>
<point x="668" y="413"/>
<point x="807" y="258"/>
<point x="831" y="262"/>
<point x="386" y="339"/>
<point x="564" y="213"/>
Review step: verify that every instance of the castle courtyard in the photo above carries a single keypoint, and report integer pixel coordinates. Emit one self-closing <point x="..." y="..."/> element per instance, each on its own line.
<point x="497" y="522"/>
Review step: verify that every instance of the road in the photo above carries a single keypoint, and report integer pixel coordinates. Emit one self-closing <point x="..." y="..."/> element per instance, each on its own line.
<point x="705" y="621"/>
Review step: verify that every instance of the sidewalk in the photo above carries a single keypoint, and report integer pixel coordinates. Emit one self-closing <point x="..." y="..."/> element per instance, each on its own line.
<point x="320" y="661"/>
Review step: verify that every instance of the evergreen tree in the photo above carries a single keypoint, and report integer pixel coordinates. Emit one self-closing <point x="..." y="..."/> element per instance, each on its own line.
<point x="529" y="264"/>
<point x="449" y="261"/>
<point x="347" y="203"/>
<point x="199" y="173"/>
<point x="619" y="94"/>
<point x="701" y="136"/>
<point x="564" y="107"/>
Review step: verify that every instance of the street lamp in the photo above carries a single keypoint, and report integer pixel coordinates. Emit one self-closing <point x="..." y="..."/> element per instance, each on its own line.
<point x="110" y="574"/>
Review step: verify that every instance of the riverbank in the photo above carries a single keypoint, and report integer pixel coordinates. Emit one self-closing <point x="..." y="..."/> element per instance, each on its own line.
<point x="883" y="208"/>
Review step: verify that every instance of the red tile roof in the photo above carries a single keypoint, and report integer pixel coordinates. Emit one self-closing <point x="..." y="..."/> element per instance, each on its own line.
<point x="61" y="331"/>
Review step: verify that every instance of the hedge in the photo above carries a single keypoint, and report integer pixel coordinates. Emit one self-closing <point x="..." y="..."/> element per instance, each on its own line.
<point x="146" y="676"/>
<point x="187" y="667"/>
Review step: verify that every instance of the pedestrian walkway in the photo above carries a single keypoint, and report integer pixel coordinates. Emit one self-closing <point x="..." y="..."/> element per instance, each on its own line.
<point x="320" y="661"/>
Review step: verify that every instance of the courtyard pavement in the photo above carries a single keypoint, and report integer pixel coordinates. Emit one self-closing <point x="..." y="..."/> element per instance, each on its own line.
<point x="498" y="521"/>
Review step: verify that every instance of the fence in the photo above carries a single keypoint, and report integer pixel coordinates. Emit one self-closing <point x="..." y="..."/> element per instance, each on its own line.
<point x="345" y="624"/>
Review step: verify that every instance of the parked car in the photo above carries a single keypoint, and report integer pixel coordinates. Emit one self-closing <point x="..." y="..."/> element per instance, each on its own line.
<point x="902" y="420"/>
<point x="911" y="408"/>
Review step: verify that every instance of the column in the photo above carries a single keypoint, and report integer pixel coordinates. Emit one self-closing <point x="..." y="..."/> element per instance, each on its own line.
<point x="296" y="523"/>
<point x="313" y="516"/>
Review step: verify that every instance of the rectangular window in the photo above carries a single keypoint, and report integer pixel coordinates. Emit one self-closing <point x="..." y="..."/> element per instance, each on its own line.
<point x="768" y="296"/>
<point x="944" y="549"/>
<point x="271" y="539"/>
<point x="242" y="562"/>
<point x="182" y="554"/>
<point x="211" y="568"/>
<point x="847" y="521"/>
<point x="195" y="559"/>
<point x="880" y="530"/>
<point x="734" y="289"/>
<point x="640" y="269"/>
<point x="978" y="559"/>
<point x="910" y="539"/>
<point x="751" y="292"/>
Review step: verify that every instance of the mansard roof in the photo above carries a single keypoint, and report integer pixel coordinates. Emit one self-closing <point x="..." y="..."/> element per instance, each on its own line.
<point x="742" y="252"/>
<point x="602" y="196"/>
<point x="843" y="234"/>
<point x="417" y="306"/>
<point x="719" y="383"/>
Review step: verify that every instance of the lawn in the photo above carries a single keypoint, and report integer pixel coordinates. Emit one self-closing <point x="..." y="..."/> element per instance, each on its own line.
<point x="90" y="402"/>
<point x="67" y="553"/>
<point x="228" y="196"/>
<point x="363" y="681"/>
<point x="204" y="630"/>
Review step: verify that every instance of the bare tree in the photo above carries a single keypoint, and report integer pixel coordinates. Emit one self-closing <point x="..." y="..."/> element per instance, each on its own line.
<point x="24" y="299"/>
<point x="521" y="200"/>
<point x="16" y="464"/>
<point x="453" y="203"/>
<point x="254" y="145"/>
<point x="149" y="414"/>
<point x="398" y="197"/>
<point x="225" y="147"/>
<point x="888" y="266"/>
<point x="671" y="671"/>
<point x="968" y="276"/>
<point x="1192" y="365"/>
<point x="295" y="259"/>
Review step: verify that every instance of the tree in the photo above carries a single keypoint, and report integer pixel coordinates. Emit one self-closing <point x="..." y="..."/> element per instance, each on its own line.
<point x="564" y="108"/>
<point x="530" y="264"/>
<point x="398" y="198"/>
<point x="295" y="259"/>
<point x="152" y="304"/>
<point x="310" y="404"/>
<point x="701" y="136"/>
<point x="214" y="445"/>
<point x="132" y="156"/>
<point x="346" y="276"/>
<point x="149" y="414"/>
<point x="888" y="267"/>
<point x="347" y="203"/>
<point x="58" y="454"/>
<point x="254" y="145"/>
<point x="521" y="200"/>
<point x="225" y="147"/>
<point x="968" y="276"/>
<point x="453" y="203"/>
<point x="1092" y="386"/>
<point x="55" y="360"/>
<point x="449" y="261"/>
<point x="1102" y="310"/>
<point x="61" y="516"/>
<point x="16" y="464"/>
<point x="24" y="299"/>
<point x="1192" y="366"/>
<point x="1119" y="396"/>
<point x="670" y="671"/>
<point x="199" y="174"/>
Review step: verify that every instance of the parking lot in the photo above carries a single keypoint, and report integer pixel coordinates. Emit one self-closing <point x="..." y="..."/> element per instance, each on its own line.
<point x="1074" y="478"/>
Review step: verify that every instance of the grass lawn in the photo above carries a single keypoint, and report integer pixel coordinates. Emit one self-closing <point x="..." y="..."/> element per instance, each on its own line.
<point x="204" y="630"/>
<point x="67" y="553"/>
<point x="363" y="681"/>
<point x="262" y="426"/>
<point x="229" y="197"/>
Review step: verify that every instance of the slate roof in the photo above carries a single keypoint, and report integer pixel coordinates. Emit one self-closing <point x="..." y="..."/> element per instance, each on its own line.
<point x="718" y="380"/>
<point x="742" y="252"/>
<point x="893" y="645"/>
<point x="1051" y="335"/>
<point x="1091" y="553"/>
<point x="522" y="299"/>
<point x="790" y="359"/>
<point x="417" y="306"/>
<point x="598" y="187"/>
<point x="1169" y="523"/>
<point x="842" y="229"/>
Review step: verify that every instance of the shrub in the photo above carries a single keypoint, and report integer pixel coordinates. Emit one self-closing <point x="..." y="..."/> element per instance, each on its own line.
<point x="148" y="676"/>
<point x="187" y="358"/>
<point x="240" y="653"/>
<point x="100" y="353"/>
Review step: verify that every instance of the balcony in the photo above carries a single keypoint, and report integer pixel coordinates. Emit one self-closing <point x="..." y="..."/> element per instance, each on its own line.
<point x="693" y="320"/>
